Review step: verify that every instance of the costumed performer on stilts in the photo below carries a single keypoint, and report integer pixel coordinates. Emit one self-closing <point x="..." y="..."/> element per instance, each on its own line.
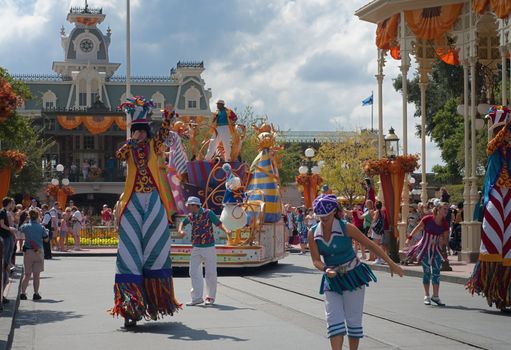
<point x="345" y="277"/>
<point x="491" y="277"/>
<point x="143" y="280"/>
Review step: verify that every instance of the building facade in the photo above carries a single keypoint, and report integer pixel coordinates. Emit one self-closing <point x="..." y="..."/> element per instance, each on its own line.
<point x="77" y="105"/>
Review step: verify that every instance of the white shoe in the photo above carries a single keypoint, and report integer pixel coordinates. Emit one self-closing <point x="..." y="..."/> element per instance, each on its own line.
<point x="437" y="301"/>
<point x="194" y="302"/>
<point x="209" y="301"/>
<point x="427" y="300"/>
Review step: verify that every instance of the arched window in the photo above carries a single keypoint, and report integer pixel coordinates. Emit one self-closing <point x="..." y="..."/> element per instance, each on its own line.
<point x="192" y="98"/>
<point x="159" y="100"/>
<point x="49" y="100"/>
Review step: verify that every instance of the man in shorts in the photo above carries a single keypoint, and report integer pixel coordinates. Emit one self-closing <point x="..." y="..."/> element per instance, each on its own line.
<point x="33" y="255"/>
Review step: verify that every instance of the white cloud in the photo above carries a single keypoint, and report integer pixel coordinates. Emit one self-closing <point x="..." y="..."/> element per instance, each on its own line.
<point x="306" y="64"/>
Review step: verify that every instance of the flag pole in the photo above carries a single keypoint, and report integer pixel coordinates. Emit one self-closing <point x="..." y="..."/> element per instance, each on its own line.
<point x="128" y="66"/>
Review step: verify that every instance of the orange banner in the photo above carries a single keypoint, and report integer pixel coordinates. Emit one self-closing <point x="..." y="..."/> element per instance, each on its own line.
<point x="501" y="8"/>
<point x="5" y="181"/>
<point x="121" y="122"/>
<point x="432" y="22"/>
<point x="69" y="122"/>
<point x="97" y="125"/>
<point x="386" y="32"/>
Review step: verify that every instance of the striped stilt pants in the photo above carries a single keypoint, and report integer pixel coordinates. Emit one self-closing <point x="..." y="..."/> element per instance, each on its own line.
<point x="143" y="280"/>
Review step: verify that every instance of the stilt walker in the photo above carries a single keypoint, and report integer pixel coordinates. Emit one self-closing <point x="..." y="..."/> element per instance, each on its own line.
<point x="491" y="277"/>
<point x="143" y="280"/>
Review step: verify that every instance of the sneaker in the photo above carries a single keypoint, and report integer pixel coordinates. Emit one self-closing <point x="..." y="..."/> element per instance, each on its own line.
<point x="427" y="300"/>
<point x="23" y="296"/>
<point x="437" y="301"/>
<point x="210" y="301"/>
<point x="194" y="302"/>
<point x="36" y="296"/>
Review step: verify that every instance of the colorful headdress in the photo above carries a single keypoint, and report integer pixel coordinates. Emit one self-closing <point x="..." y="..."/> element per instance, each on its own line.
<point x="138" y="108"/>
<point x="324" y="204"/>
<point x="498" y="116"/>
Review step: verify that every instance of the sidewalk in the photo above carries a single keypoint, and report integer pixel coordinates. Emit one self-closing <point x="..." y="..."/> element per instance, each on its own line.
<point x="460" y="273"/>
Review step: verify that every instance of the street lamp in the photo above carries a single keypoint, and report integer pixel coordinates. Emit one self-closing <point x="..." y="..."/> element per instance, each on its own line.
<point x="391" y="144"/>
<point x="62" y="183"/>
<point x="309" y="177"/>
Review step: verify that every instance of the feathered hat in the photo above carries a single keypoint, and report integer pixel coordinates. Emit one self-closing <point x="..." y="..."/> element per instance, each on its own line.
<point x="139" y="109"/>
<point x="497" y="116"/>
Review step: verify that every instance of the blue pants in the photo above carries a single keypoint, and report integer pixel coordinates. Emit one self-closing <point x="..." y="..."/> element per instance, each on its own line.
<point x="436" y="264"/>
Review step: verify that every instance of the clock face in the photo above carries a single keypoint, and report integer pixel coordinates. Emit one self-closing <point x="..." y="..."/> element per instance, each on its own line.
<point x="86" y="45"/>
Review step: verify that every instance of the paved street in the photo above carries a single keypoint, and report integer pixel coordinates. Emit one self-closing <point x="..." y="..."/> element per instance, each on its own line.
<point x="276" y="307"/>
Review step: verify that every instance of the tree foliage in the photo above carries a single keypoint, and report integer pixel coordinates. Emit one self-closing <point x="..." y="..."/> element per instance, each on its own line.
<point x="19" y="133"/>
<point x="342" y="169"/>
<point x="443" y="124"/>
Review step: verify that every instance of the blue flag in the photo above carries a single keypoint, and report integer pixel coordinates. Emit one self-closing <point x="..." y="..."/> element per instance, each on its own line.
<point x="368" y="101"/>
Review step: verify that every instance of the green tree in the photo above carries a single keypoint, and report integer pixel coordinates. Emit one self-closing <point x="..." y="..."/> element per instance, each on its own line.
<point x="342" y="168"/>
<point x="443" y="124"/>
<point x="18" y="133"/>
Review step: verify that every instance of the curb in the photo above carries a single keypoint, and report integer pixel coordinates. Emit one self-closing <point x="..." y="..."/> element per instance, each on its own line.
<point x="89" y="254"/>
<point x="10" y="310"/>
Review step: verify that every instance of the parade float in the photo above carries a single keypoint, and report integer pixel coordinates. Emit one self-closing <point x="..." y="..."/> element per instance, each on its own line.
<point x="246" y="196"/>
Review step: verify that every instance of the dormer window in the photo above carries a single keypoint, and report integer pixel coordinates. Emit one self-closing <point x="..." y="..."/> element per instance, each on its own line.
<point x="49" y="100"/>
<point x="192" y="98"/>
<point x="159" y="100"/>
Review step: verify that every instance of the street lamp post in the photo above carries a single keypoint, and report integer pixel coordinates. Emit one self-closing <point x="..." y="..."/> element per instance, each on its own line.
<point x="391" y="144"/>
<point x="309" y="177"/>
<point x="60" y="181"/>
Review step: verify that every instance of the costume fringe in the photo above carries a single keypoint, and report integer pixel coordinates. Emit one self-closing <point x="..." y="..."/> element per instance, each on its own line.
<point x="492" y="280"/>
<point x="351" y="280"/>
<point x="160" y="297"/>
<point x="129" y="301"/>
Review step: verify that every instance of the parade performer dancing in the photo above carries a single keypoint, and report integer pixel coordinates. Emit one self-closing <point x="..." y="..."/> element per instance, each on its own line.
<point x="429" y="249"/>
<point x="233" y="215"/>
<point x="223" y="120"/>
<point x="143" y="281"/>
<point x="492" y="274"/>
<point x="345" y="277"/>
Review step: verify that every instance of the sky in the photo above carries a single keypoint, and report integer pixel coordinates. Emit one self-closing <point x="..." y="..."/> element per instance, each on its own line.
<point x="306" y="64"/>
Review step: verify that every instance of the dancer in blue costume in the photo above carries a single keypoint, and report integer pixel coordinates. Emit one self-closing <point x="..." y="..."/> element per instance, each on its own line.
<point x="345" y="277"/>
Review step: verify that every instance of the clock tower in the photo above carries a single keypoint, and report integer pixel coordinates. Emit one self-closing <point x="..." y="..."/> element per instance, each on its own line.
<point x="86" y="60"/>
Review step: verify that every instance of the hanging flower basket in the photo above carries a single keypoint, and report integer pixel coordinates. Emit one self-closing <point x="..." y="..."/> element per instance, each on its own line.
<point x="53" y="190"/>
<point x="406" y="164"/>
<point x="14" y="160"/>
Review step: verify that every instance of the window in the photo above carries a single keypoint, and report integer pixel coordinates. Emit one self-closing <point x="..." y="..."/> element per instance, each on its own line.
<point x="192" y="97"/>
<point x="158" y="99"/>
<point x="88" y="142"/>
<point x="49" y="99"/>
<point x="82" y="99"/>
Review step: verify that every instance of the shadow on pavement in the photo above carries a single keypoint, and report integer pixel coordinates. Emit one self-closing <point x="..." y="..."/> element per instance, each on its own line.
<point x="225" y="307"/>
<point x="486" y="311"/>
<point x="36" y="317"/>
<point x="180" y="331"/>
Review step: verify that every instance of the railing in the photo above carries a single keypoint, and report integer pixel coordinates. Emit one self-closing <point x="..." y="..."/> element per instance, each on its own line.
<point x="41" y="77"/>
<point x="140" y="79"/>
<point x="96" y="237"/>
